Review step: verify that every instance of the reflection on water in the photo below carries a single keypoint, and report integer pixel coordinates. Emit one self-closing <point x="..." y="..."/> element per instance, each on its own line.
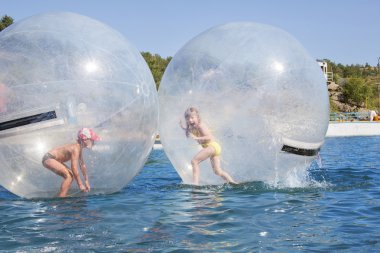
<point x="70" y="212"/>
<point x="205" y="206"/>
<point x="338" y="210"/>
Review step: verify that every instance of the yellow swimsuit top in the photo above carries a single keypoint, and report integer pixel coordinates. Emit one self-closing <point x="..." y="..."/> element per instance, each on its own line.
<point x="212" y="143"/>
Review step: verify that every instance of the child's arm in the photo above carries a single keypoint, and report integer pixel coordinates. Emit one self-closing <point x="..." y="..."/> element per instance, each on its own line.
<point x="205" y="134"/>
<point x="74" y="167"/>
<point x="187" y="131"/>
<point x="83" y="168"/>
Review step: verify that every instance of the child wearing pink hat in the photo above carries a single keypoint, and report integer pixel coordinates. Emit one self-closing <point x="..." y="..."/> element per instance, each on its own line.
<point x="55" y="159"/>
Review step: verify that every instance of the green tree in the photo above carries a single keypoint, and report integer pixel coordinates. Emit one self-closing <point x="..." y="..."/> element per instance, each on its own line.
<point x="356" y="91"/>
<point x="5" y="22"/>
<point x="157" y="65"/>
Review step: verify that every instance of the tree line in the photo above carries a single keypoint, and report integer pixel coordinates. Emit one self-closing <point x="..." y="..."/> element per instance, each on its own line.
<point x="5" y="22"/>
<point x="360" y="84"/>
<point x="157" y="66"/>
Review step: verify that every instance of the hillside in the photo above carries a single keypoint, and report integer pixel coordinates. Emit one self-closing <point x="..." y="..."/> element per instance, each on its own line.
<point x="337" y="101"/>
<point x="353" y="88"/>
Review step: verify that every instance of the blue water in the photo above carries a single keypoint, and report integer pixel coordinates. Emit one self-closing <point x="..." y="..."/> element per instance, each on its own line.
<point x="340" y="211"/>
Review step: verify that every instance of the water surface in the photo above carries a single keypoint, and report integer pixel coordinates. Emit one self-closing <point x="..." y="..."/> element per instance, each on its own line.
<point x="338" y="211"/>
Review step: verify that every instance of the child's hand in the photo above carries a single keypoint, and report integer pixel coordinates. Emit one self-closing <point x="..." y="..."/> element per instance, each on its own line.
<point x="83" y="188"/>
<point x="193" y="136"/>
<point x="88" y="187"/>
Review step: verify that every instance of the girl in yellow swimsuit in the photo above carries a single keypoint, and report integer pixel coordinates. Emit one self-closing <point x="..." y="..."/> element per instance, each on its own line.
<point x="211" y="149"/>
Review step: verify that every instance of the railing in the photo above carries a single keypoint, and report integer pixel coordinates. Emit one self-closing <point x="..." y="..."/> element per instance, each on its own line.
<point x="349" y="116"/>
<point x="330" y="77"/>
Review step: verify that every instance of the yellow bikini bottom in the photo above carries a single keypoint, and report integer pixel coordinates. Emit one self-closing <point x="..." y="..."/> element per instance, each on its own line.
<point x="215" y="145"/>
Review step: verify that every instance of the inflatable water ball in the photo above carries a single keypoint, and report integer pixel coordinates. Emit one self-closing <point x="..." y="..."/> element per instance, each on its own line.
<point x="61" y="72"/>
<point x="259" y="92"/>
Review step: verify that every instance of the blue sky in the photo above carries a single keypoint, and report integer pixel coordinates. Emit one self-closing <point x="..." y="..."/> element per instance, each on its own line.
<point x="344" y="31"/>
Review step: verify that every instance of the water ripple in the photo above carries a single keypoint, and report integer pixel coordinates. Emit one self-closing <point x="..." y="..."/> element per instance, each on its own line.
<point x="337" y="209"/>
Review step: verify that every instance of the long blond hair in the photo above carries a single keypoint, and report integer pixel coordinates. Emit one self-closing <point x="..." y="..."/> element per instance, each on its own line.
<point x="187" y="116"/>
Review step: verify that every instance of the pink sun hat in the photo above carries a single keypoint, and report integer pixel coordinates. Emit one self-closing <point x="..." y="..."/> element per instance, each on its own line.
<point x="88" y="133"/>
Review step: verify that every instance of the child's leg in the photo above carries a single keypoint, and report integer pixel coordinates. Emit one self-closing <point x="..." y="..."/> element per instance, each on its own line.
<point x="65" y="186"/>
<point x="198" y="158"/>
<point x="61" y="170"/>
<point x="215" y="163"/>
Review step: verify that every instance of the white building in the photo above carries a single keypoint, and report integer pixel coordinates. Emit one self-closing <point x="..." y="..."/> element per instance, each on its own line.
<point x="328" y="75"/>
